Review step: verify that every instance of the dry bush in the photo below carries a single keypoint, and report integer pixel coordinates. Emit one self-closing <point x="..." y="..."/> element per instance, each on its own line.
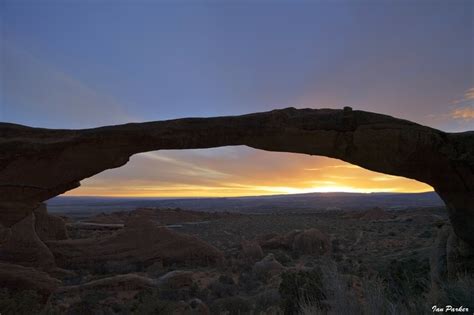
<point x="342" y="300"/>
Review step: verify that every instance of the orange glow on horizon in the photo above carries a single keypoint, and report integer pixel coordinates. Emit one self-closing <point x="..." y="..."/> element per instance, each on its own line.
<point x="238" y="172"/>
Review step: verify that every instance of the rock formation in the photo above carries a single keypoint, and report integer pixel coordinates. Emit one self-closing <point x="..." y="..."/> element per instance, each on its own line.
<point x="23" y="246"/>
<point x="49" y="227"/>
<point x="268" y="266"/>
<point x="140" y="242"/>
<point x="38" y="164"/>
<point x="27" y="278"/>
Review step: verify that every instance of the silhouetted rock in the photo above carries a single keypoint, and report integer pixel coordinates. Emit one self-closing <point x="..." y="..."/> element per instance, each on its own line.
<point x="450" y="258"/>
<point x="38" y="164"/>
<point x="49" y="227"/>
<point x="23" y="246"/>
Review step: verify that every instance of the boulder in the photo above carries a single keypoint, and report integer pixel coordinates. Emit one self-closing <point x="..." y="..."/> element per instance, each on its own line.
<point x="267" y="267"/>
<point x="275" y="241"/>
<point x="23" y="246"/>
<point x="16" y="277"/>
<point x="459" y="257"/>
<point x="451" y="258"/>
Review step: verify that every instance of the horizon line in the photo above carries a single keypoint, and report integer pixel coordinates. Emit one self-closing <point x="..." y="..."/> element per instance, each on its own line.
<point x="246" y="196"/>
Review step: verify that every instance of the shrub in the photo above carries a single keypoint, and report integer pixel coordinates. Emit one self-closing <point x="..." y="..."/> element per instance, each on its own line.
<point x="266" y="299"/>
<point x="248" y="282"/>
<point x="90" y="303"/>
<point x="223" y="287"/>
<point x="234" y="305"/>
<point x="19" y="302"/>
<point x="300" y="286"/>
<point x="459" y="292"/>
<point x="149" y="302"/>
<point x="407" y="279"/>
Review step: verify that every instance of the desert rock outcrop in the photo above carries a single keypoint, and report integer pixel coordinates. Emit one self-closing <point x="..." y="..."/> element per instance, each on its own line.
<point x="268" y="266"/>
<point x="49" y="227"/>
<point x="23" y="246"/>
<point x="37" y="164"/>
<point x="141" y="241"/>
<point x="26" y="278"/>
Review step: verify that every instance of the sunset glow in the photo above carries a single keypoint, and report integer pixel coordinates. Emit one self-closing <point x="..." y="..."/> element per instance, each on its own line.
<point x="196" y="174"/>
<point x="84" y="64"/>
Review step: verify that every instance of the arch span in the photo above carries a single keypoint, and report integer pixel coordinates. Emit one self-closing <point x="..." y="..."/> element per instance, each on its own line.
<point x="38" y="164"/>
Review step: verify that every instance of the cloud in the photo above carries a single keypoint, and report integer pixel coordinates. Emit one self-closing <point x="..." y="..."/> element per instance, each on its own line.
<point x="465" y="107"/>
<point x="464" y="113"/>
<point x="384" y="178"/>
<point x="237" y="171"/>
<point x="468" y="96"/>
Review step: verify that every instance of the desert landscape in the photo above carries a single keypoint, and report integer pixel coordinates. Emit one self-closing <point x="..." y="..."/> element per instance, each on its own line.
<point x="174" y="261"/>
<point x="238" y="157"/>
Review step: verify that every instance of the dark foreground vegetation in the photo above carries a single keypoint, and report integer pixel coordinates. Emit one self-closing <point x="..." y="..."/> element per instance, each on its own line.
<point x="333" y="262"/>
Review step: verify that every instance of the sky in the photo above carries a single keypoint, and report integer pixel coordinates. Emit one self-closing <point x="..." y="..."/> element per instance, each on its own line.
<point x="81" y="64"/>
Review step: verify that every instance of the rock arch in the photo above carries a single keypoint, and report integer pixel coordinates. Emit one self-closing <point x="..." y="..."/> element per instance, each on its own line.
<point x="37" y="164"/>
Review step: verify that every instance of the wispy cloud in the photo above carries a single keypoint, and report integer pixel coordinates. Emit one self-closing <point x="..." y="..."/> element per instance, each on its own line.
<point x="237" y="171"/>
<point x="186" y="168"/>
<point x="464" y="113"/>
<point x="468" y="96"/>
<point x="464" y="107"/>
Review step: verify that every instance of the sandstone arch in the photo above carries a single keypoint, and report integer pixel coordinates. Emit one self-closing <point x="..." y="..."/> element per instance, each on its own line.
<point x="38" y="164"/>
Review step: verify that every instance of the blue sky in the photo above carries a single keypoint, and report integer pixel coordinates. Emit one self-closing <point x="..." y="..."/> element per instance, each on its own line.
<point x="78" y="64"/>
